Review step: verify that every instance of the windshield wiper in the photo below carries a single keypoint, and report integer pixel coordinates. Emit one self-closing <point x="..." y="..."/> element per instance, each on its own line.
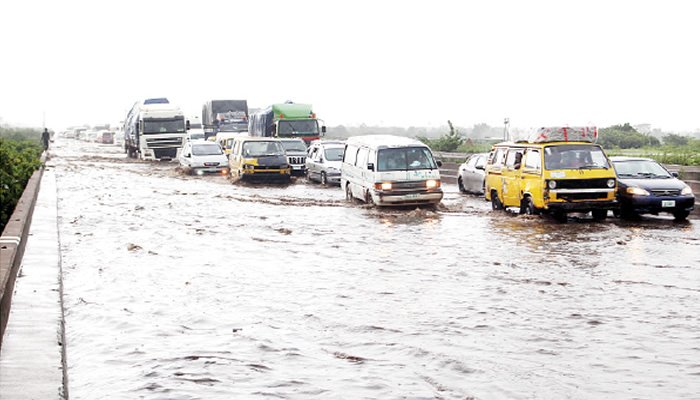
<point x="591" y="166"/>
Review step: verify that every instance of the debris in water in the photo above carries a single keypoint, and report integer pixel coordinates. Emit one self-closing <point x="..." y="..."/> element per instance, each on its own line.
<point x="133" y="247"/>
<point x="284" y="231"/>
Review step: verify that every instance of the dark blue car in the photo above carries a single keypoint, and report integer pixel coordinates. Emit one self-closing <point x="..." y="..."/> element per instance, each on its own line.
<point x="646" y="187"/>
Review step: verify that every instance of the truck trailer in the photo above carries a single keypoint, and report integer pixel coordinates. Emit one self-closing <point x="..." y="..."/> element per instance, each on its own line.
<point x="224" y="116"/>
<point x="286" y="120"/>
<point x="154" y="129"/>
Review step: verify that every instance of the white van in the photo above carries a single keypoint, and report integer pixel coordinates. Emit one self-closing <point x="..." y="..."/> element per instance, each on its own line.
<point x="390" y="170"/>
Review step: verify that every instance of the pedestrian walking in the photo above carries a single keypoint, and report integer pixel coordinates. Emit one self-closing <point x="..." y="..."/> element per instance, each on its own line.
<point x="45" y="137"/>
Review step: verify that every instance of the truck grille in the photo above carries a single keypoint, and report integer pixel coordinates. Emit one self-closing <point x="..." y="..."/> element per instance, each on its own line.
<point x="165" y="153"/>
<point x="582" y="196"/>
<point x="296" y="159"/>
<point x="164" y="142"/>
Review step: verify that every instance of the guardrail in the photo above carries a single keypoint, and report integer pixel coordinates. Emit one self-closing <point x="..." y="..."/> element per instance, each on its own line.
<point x="13" y="242"/>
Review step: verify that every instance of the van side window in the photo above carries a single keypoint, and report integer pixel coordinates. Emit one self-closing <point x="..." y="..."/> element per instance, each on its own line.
<point x="513" y="156"/>
<point x="362" y="158"/>
<point x="497" y="156"/>
<point x="533" y="160"/>
<point x="350" y="154"/>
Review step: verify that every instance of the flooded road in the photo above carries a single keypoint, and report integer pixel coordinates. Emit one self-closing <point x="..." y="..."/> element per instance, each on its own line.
<point x="180" y="287"/>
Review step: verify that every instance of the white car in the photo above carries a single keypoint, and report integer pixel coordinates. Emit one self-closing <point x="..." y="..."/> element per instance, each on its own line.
<point x="198" y="157"/>
<point x="324" y="161"/>
<point x="472" y="174"/>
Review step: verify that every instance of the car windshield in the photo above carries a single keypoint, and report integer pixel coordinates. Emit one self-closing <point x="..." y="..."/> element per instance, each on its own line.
<point x="334" y="154"/>
<point x="300" y="127"/>
<point x="262" y="148"/>
<point x="294" y="145"/>
<point x="640" y="169"/>
<point x="164" y="125"/>
<point x="405" y="158"/>
<point x="575" y="156"/>
<point x="206" y="149"/>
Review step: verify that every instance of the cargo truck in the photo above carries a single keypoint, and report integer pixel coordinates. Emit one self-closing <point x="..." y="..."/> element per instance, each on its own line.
<point x="154" y="129"/>
<point x="286" y="120"/>
<point x="224" y="116"/>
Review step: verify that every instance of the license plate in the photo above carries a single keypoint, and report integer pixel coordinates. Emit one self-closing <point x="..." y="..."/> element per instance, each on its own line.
<point x="412" y="196"/>
<point x="668" y="203"/>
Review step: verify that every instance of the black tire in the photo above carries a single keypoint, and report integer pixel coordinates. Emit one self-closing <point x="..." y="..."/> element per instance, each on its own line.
<point x="348" y="193"/>
<point x="681" y="215"/>
<point x="324" y="179"/>
<point x="496" y="202"/>
<point x="527" y="206"/>
<point x="627" y="213"/>
<point x="599" y="215"/>
<point x="368" y="198"/>
<point x="560" y="216"/>
<point x="460" y="185"/>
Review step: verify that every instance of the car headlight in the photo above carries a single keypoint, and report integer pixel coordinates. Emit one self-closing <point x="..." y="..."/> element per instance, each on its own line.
<point x="552" y="184"/>
<point x="687" y="191"/>
<point x="432" y="183"/>
<point x="611" y="183"/>
<point x="636" y="191"/>
<point x="383" y="186"/>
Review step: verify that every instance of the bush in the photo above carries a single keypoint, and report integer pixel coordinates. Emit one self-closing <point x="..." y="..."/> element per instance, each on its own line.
<point x="447" y="142"/>
<point x="18" y="161"/>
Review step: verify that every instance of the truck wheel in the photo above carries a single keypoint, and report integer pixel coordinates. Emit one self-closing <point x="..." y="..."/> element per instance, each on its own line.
<point x="324" y="179"/>
<point x="496" y="202"/>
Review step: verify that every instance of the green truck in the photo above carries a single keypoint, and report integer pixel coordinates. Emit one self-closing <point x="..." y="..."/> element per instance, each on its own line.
<point x="286" y="120"/>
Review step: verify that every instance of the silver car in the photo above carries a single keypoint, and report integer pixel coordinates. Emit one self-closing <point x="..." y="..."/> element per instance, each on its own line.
<point x="471" y="174"/>
<point x="324" y="161"/>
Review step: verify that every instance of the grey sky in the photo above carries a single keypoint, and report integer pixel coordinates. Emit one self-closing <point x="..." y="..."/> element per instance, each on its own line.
<point x="379" y="62"/>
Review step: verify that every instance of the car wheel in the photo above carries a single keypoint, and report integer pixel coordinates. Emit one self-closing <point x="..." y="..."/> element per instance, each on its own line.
<point x="496" y="202"/>
<point x="627" y="213"/>
<point x="527" y="206"/>
<point x="681" y="215"/>
<point x="460" y="185"/>
<point x="324" y="179"/>
<point x="599" y="215"/>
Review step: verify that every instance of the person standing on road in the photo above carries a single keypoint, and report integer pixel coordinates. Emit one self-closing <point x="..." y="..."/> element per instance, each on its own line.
<point x="45" y="137"/>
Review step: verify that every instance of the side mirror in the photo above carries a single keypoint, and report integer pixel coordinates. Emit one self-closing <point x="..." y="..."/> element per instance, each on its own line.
<point x="370" y="166"/>
<point x="323" y="129"/>
<point x="187" y="125"/>
<point x="674" y="174"/>
<point x="481" y="167"/>
<point x="188" y="155"/>
<point x="439" y="163"/>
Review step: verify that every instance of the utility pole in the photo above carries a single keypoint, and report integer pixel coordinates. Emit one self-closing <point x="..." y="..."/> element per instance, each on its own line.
<point x="506" y="133"/>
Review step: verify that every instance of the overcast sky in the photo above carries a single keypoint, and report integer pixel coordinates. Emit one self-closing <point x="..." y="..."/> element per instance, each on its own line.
<point x="379" y="62"/>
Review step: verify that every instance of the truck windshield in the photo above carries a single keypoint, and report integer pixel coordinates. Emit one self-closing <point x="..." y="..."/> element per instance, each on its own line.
<point x="164" y="125"/>
<point x="405" y="158"/>
<point x="575" y="156"/>
<point x="298" y="127"/>
<point x="262" y="148"/>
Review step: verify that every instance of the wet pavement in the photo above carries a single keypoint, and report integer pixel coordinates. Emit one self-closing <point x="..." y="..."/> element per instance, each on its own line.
<point x="181" y="287"/>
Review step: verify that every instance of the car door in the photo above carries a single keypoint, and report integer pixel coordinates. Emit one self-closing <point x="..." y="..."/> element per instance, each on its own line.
<point x="477" y="179"/>
<point x="187" y="149"/>
<point x="468" y="173"/>
<point x="312" y="163"/>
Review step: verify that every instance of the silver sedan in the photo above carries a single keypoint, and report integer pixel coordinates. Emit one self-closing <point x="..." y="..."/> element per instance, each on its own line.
<point x="471" y="174"/>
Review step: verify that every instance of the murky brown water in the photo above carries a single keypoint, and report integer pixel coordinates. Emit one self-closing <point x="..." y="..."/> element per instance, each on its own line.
<point x="181" y="287"/>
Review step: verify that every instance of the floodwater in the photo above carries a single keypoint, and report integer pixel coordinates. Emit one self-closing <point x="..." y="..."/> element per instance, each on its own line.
<point x="180" y="287"/>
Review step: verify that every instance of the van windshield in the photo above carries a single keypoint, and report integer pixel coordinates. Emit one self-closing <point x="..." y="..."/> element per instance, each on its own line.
<point x="404" y="159"/>
<point x="262" y="148"/>
<point x="575" y="156"/>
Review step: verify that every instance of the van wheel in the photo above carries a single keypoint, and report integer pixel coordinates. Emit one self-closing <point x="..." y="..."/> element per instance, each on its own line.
<point x="348" y="193"/>
<point x="559" y="216"/>
<point x="527" y="206"/>
<point x="599" y="215"/>
<point x="324" y="180"/>
<point x="368" y="198"/>
<point x="496" y="202"/>
<point x="460" y="185"/>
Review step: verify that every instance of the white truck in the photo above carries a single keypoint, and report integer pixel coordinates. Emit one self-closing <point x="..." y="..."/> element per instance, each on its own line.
<point x="154" y="129"/>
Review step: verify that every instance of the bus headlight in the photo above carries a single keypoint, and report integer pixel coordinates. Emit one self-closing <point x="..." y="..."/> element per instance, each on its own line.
<point x="611" y="183"/>
<point x="383" y="186"/>
<point x="552" y="184"/>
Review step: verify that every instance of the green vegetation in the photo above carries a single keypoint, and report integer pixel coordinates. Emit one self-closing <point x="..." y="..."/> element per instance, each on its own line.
<point x="447" y="142"/>
<point x="20" y="153"/>
<point x="624" y="140"/>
